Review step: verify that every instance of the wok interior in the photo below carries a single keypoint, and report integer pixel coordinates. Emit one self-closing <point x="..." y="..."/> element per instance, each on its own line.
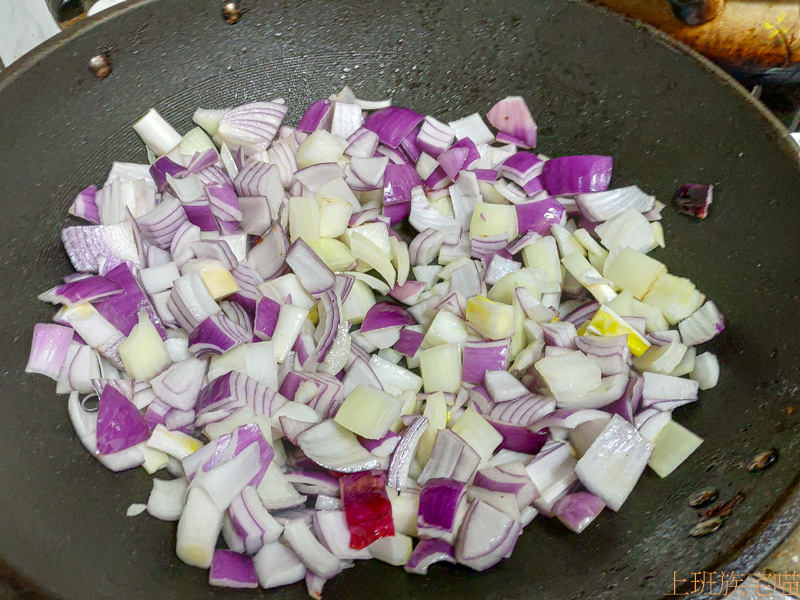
<point x="595" y="84"/>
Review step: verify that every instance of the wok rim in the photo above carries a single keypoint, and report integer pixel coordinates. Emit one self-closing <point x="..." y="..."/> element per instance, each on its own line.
<point x="775" y="525"/>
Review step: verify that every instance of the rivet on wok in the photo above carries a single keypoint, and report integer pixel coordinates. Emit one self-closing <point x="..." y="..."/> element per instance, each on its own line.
<point x="703" y="497"/>
<point x="706" y="527"/>
<point x="100" y="65"/>
<point x="764" y="460"/>
<point x="231" y="13"/>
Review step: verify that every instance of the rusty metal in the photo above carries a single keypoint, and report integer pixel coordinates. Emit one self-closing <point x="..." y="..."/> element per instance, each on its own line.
<point x="697" y="12"/>
<point x="756" y="41"/>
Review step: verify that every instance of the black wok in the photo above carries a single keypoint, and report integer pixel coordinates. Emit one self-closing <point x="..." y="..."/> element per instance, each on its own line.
<point x="595" y="83"/>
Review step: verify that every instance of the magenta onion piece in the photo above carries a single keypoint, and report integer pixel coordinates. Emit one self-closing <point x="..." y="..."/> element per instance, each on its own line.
<point x="49" y="349"/>
<point x="160" y="225"/>
<point x="452" y="161"/>
<point x="227" y="447"/>
<point x="199" y="213"/>
<point x="577" y="511"/>
<point x="567" y="418"/>
<point x="472" y="151"/>
<point x="224" y="203"/>
<point x="518" y="438"/>
<point x="234" y="390"/>
<point x="508" y="478"/>
<point x="428" y="552"/>
<point x="266" y="317"/>
<point x="442" y="503"/>
<point x="362" y="142"/>
<point x="383" y="447"/>
<point x="313" y="482"/>
<point x="85" y="246"/>
<point x="511" y="116"/>
<point x="292" y="428"/>
<point x="409" y="342"/>
<point x="121" y="310"/>
<point x="88" y="289"/>
<point x="577" y="174"/>
<point x="216" y="335"/>
<point x="248" y="281"/>
<point x="328" y="327"/>
<point x="385" y="315"/>
<point x="393" y="124"/>
<point x="540" y="216"/>
<point x="560" y="333"/>
<point x="268" y="257"/>
<point x="233" y="570"/>
<point x="85" y="206"/>
<point x="433" y="137"/>
<point x="119" y="425"/>
<point x="317" y="116"/>
<point x="482" y="356"/>
<point x="180" y="384"/>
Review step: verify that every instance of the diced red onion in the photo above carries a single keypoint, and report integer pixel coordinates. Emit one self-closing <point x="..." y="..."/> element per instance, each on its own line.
<point x="577" y="174"/>
<point x="576" y="511"/>
<point x="442" y="504"/>
<point x="233" y="570"/>
<point x="400" y="463"/>
<point x="119" y="424"/>
<point x="317" y="116"/>
<point x="613" y="464"/>
<point x="451" y="458"/>
<point x="49" y="349"/>
<point x="694" y="199"/>
<point x="268" y="257"/>
<point x="511" y="116"/>
<point x="702" y="325"/>
<point x="602" y="206"/>
<point x="393" y="124"/>
<point x="428" y="552"/>
<point x="313" y="273"/>
<point x="85" y="206"/>
<point x="487" y="536"/>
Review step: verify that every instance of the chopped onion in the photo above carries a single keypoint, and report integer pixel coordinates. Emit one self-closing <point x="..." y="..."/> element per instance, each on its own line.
<point x="214" y="297"/>
<point x="613" y="464"/>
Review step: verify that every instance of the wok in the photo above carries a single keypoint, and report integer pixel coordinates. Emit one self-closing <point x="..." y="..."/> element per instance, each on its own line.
<point x="596" y="85"/>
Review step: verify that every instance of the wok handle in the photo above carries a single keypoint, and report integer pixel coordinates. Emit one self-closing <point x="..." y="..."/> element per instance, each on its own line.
<point x="697" y="12"/>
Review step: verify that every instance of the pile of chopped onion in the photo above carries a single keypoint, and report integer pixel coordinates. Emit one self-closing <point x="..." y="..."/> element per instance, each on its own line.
<point x="321" y="390"/>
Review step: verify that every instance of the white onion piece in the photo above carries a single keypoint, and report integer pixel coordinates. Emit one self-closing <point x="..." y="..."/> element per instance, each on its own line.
<point x="486" y="537"/>
<point x="673" y="445"/>
<point x="706" y="371"/>
<point x="276" y="565"/>
<point x="613" y="464"/>
<point x="333" y="447"/>
<point x="167" y="498"/>
<point x="198" y="529"/>
<point x="394" y="550"/>
<point x="156" y="133"/>
<point x="308" y="549"/>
